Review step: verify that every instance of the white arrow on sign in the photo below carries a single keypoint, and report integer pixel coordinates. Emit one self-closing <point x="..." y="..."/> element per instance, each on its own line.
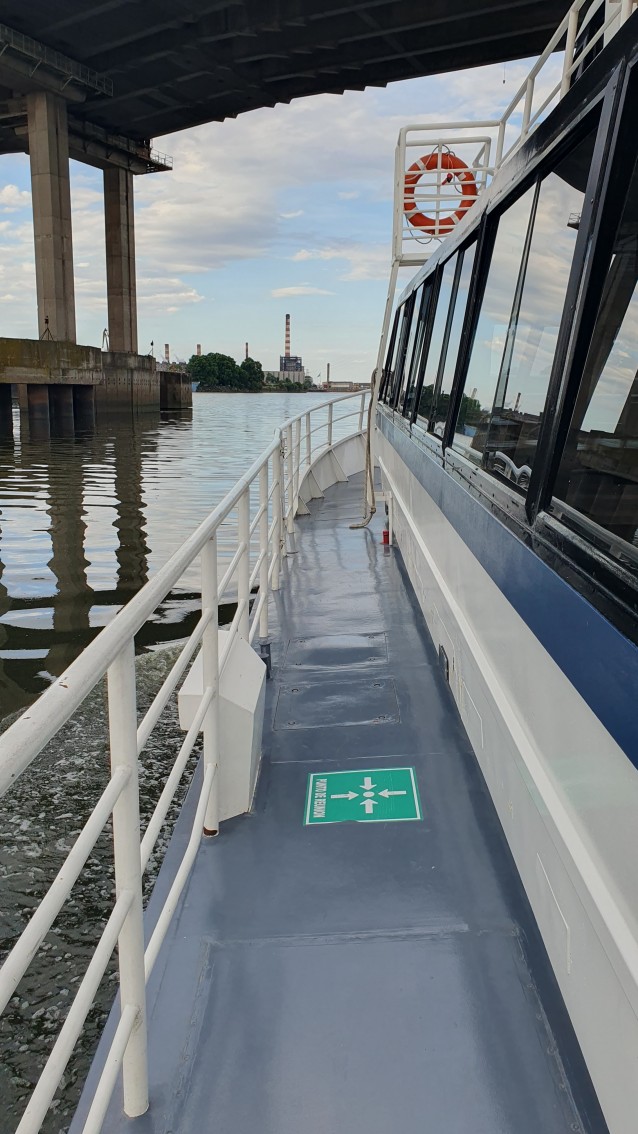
<point x="369" y="805"/>
<point x="386" y="793"/>
<point x="348" y="795"/>
<point x="367" y="784"/>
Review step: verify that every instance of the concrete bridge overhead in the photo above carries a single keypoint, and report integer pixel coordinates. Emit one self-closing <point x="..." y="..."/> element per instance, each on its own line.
<point x="173" y="64"/>
<point x="96" y="81"/>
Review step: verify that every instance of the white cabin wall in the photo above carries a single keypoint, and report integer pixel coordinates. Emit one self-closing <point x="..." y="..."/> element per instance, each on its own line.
<point x="565" y="793"/>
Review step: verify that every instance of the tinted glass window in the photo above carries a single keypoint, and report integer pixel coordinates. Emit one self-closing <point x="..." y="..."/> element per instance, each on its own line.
<point x="522" y="345"/>
<point x="420" y="313"/>
<point x="409" y="352"/>
<point x="454" y="342"/>
<point x="491" y="330"/>
<point x="436" y="340"/>
<point x="386" y="382"/>
<point x="395" y="354"/>
<point x="599" y="471"/>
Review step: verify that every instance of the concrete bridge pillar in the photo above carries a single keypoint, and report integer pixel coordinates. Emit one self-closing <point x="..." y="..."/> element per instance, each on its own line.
<point x="38" y="412"/>
<point x="6" y="411"/>
<point x="61" y="422"/>
<point x="120" y="259"/>
<point x="49" y="157"/>
<point x="84" y="407"/>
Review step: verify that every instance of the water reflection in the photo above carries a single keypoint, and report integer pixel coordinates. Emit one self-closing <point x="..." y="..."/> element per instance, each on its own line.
<point x="85" y="519"/>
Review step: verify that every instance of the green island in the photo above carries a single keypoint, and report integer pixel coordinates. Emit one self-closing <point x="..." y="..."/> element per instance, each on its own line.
<point x="219" y="373"/>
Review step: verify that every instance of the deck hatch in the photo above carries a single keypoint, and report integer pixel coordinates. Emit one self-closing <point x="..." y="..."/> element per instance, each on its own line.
<point x="328" y="651"/>
<point x="326" y="703"/>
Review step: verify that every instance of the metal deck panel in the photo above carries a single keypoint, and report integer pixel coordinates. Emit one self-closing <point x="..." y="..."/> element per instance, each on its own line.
<point x="359" y="977"/>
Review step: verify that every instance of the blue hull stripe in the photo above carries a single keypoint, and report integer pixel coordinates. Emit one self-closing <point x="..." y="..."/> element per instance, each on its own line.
<point x="599" y="661"/>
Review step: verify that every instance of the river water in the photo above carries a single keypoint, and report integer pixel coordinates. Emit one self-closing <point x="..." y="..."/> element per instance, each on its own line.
<point x="84" y="522"/>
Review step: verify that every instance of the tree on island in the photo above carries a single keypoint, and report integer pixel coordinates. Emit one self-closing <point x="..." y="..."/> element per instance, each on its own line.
<point x="252" y="373"/>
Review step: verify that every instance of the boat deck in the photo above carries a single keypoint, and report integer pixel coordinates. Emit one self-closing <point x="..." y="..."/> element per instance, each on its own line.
<point x="358" y="976"/>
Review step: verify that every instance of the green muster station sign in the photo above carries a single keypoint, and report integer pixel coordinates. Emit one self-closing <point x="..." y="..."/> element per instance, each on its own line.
<point x="371" y="796"/>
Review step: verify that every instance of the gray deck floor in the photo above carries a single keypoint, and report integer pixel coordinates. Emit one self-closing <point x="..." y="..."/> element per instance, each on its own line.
<point x="372" y="977"/>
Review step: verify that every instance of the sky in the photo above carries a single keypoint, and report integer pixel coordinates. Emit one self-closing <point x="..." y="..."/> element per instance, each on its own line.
<point x="280" y="210"/>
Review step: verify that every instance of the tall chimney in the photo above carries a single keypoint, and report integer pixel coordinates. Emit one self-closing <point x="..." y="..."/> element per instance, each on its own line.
<point x="198" y="349"/>
<point x="246" y="350"/>
<point x="327" y="374"/>
<point x="167" y="352"/>
<point x="287" y="349"/>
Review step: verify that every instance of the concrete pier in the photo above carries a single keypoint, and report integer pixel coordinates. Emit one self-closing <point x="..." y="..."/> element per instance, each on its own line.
<point x="51" y="194"/>
<point x="120" y="259"/>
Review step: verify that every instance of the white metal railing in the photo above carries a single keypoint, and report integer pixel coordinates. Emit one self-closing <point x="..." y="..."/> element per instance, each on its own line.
<point x="439" y="196"/>
<point x="255" y="568"/>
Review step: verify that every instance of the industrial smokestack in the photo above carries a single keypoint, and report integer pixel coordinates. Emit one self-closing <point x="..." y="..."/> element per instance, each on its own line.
<point x="327" y="374"/>
<point x="167" y="352"/>
<point x="198" y="349"/>
<point x="246" y="350"/>
<point x="287" y="347"/>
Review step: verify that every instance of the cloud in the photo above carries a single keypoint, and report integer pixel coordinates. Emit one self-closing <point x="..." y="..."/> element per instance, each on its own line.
<point x="12" y="198"/>
<point x="352" y="196"/>
<point x="290" y="216"/>
<point x="366" y="261"/>
<point x="299" y="289"/>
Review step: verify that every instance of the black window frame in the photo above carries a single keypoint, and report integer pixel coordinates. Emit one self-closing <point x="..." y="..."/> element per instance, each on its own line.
<point x="403" y="332"/>
<point x="424" y="314"/>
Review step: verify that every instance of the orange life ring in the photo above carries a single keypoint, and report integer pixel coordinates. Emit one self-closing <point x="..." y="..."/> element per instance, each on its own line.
<point x="458" y="171"/>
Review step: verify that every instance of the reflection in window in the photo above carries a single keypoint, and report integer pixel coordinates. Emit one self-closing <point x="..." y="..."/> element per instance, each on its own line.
<point x="436" y="340"/>
<point x="409" y="351"/>
<point x="491" y="330"/>
<point x="420" y="313"/>
<point x="394" y="352"/>
<point x="454" y="341"/>
<point x="599" y="471"/>
<point x="518" y="327"/>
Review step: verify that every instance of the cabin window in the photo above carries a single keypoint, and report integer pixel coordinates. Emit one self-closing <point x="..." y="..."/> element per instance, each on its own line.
<point x="409" y="350"/>
<point x="515" y="340"/>
<point x="386" y="379"/>
<point x="436" y="340"/>
<point x="395" y="355"/>
<point x="491" y="329"/>
<point x="454" y="341"/>
<point x="416" y="365"/>
<point x="598" y="475"/>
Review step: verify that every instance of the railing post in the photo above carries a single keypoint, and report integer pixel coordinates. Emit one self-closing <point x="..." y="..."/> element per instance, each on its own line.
<point x="243" y="567"/>
<point x="278" y="542"/>
<point x="500" y="144"/>
<point x="626" y="8"/>
<point x="330" y="414"/>
<point x="128" y="873"/>
<point x="361" y="411"/>
<point x="290" y="478"/>
<point x="308" y="441"/>
<point x="527" y="108"/>
<point x="210" y="667"/>
<point x="295" y="464"/>
<point x="572" y="31"/>
<point x="263" y="550"/>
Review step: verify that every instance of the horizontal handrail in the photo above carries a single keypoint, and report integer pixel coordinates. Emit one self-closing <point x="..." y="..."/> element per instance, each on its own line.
<point x="276" y="473"/>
